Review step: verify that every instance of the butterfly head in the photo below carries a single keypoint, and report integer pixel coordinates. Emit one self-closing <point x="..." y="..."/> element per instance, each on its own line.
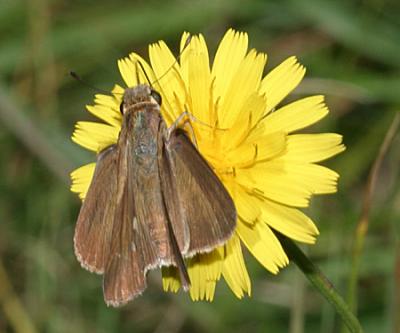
<point x="142" y="93"/>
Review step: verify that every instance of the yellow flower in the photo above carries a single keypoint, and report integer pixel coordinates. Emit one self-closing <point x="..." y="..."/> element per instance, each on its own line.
<point x="248" y="138"/>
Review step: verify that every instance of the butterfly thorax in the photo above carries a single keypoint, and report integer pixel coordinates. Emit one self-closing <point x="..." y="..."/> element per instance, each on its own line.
<point x="141" y="121"/>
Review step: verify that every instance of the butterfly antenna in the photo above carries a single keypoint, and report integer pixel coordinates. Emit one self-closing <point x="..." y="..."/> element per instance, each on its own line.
<point x="138" y="63"/>
<point x="176" y="60"/>
<point x="78" y="78"/>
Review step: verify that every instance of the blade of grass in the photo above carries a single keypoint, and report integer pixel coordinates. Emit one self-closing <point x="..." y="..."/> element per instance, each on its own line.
<point x="341" y="20"/>
<point x="363" y="222"/>
<point x="361" y="155"/>
<point x="15" y="312"/>
<point x="396" y="307"/>
<point x="33" y="138"/>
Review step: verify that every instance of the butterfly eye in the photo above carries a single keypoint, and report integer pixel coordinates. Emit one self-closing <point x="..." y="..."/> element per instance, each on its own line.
<point x="156" y="96"/>
<point x="121" y="108"/>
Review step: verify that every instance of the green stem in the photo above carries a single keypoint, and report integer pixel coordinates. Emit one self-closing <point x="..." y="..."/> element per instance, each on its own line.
<point x="321" y="283"/>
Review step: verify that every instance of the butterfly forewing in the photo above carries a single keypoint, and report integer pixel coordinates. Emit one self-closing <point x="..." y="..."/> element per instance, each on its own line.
<point x="131" y="251"/>
<point x="95" y="221"/>
<point x="173" y="206"/>
<point x="205" y="205"/>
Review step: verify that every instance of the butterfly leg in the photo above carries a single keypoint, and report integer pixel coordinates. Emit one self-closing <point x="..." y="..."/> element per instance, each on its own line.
<point x="184" y="119"/>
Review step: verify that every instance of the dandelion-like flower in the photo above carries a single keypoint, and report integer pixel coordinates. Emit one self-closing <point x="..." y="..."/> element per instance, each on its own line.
<point x="249" y="140"/>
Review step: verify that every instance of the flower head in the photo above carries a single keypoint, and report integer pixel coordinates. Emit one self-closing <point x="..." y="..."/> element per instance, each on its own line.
<point x="248" y="138"/>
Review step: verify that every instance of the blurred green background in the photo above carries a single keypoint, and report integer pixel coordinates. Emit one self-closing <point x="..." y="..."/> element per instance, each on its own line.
<point x="351" y="50"/>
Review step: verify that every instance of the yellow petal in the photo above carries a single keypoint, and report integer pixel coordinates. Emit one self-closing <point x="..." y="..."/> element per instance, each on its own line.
<point x="145" y="72"/>
<point x="185" y="40"/>
<point x="128" y="70"/>
<point x="81" y="179"/>
<point x="168" y="80"/>
<point x="212" y="263"/>
<point x="94" y="136"/>
<point x="196" y="73"/>
<point x="313" y="147"/>
<point x="270" y="145"/>
<point x="210" y="290"/>
<point x="161" y="59"/>
<point x="234" y="269"/>
<point x="170" y="278"/>
<point x="281" y="81"/>
<point x="289" y="221"/>
<point x="263" y="244"/>
<point x="272" y="180"/>
<point x="201" y="288"/>
<point x="244" y="83"/>
<point x="260" y="148"/>
<point x="83" y="140"/>
<point x="249" y="114"/>
<point x="204" y="270"/>
<point x="108" y="101"/>
<point x="317" y="179"/>
<point x="118" y="91"/>
<point x="246" y="204"/>
<point x="105" y="113"/>
<point x="296" y="115"/>
<point x="243" y="156"/>
<point x="229" y="56"/>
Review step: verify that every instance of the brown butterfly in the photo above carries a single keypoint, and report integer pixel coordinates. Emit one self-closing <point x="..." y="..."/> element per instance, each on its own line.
<point x="153" y="201"/>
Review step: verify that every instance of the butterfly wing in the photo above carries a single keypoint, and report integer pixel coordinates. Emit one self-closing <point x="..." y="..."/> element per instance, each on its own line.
<point x="108" y="237"/>
<point x="204" y="204"/>
<point x="95" y="220"/>
<point x="141" y="237"/>
<point x="132" y="251"/>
